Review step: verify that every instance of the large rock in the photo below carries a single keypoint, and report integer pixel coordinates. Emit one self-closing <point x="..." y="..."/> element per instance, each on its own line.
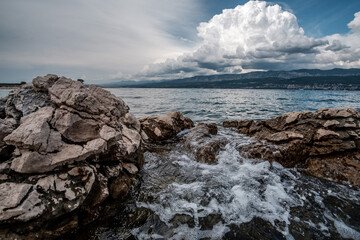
<point x="326" y="143"/>
<point x="164" y="127"/>
<point x="65" y="148"/>
<point x="203" y="142"/>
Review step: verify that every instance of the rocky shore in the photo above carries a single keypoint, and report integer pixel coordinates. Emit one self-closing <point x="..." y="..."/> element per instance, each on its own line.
<point x="67" y="151"/>
<point x="325" y="143"/>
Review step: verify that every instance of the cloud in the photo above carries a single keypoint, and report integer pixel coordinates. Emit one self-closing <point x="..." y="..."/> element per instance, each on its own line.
<point x="260" y="35"/>
<point x="96" y="38"/>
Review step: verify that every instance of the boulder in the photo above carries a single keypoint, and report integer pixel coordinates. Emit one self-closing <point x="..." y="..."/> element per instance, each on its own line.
<point x="310" y="140"/>
<point x="203" y="142"/>
<point x="68" y="147"/>
<point x="165" y="127"/>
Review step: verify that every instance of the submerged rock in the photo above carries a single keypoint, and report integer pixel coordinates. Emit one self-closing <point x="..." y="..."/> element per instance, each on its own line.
<point x="64" y="149"/>
<point x="326" y="143"/>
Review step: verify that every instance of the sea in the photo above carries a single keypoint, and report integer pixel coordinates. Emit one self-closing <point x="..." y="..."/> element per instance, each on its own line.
<point x="237" y="198"/>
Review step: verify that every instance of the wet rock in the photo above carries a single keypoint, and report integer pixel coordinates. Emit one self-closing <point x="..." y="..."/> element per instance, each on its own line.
<point x="203" y="143"/>
<point x="66" y="148"/>
<point x="310" y="140"/>
<point x="164" y="127"/>
<point x="130" y="168"/>
<point x="230" y="124"/>
<point x="341" y="167"/>
<point x="120" y="187"/>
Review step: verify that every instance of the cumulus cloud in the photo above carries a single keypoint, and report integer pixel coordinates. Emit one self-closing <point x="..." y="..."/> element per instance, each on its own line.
<point x="260" y="35"/>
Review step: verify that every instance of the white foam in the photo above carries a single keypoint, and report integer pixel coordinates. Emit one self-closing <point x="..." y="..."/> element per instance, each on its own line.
<point x="238" y="189"/>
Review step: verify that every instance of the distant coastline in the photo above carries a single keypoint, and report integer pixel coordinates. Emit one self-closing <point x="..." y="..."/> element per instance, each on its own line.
<point x="9" y="85"/>
<point x="307" y="79"/>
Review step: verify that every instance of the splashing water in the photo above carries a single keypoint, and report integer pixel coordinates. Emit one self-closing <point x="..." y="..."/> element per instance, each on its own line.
<point x="183" y="199"/>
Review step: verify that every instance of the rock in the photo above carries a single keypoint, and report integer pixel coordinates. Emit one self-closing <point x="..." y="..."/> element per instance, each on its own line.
<point x="6" y="127"/>
<point x="33" y="132"/>
<point x="203" y="143"/>
<point x="308" y="139"/>
<point x="337" y="113"/>
<point x="74" y="128"/>
<point x="11" y="195"/>
<point x="164" y="127"/>
<point x="130" y="168"/>
<point x="323" y="134"/>
<point x="341" y="168"/>
<point x="120" y="187"/>
<point x="91" y="100"/>
<point x="230" y="124"/>
<point x="25" y="100"/>
<point x="284" y="136"/>
<point x="44" y="83"/>
<point x="63" y="147"/>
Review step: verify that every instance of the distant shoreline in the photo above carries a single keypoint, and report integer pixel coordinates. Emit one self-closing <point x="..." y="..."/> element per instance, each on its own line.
<point x="9" y="85"/>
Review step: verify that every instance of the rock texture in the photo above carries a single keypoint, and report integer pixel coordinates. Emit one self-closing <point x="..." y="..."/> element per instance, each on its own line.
<point x="164" y="127"/>
<point x="203" y="142"/>
<point x="326" y="143"/>
<point x="64" y="148"/>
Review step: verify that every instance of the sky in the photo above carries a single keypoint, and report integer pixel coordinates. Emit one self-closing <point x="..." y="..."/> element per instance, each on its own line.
<point x="113" y="40"/>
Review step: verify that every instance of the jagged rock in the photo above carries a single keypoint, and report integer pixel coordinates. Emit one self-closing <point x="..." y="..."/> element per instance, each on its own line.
<point x="25" y="100"/>
<point x="230" y="124"/>
<point x="60" y="137"/>
<point x="33" y="132"/>
<point x="6" y="127"/>
<point x="164" y="127"/>
<point x="202" y="141"/>
<point x="44" y="83"/>
<point x="309" y="139"/>
<point x="74" y="128"/>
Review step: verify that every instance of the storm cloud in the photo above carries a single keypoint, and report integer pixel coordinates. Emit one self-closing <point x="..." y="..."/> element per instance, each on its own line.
<point x="260" y="35"/>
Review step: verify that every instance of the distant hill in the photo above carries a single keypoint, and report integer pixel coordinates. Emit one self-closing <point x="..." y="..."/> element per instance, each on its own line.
<point x="335" y="79"/>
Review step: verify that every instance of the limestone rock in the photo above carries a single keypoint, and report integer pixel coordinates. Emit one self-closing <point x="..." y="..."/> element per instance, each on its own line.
<point x="44" y="83"/>
<point x="203" y="143"/>
<point x="92" y="100"/>
<point x="164" y="127"/>
<point x="311" y="138"/>
<point x="230" y="124"/>
<point x="63" y="147"/>
<point x="284" y="136"/>
<point x="25" y="100"/>
<point x="33" y="132"/>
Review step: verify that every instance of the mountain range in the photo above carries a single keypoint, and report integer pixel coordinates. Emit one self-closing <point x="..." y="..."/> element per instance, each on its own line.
<point x="334" y="79"/>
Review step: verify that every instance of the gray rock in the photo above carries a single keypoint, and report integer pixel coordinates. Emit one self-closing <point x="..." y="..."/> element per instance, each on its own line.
<point x="309" y="139"/>
<point x="44" y="83"/>
<point x="33" y="132"/>
<point x="164" y="127"/>
<point x="64" y="144"/>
